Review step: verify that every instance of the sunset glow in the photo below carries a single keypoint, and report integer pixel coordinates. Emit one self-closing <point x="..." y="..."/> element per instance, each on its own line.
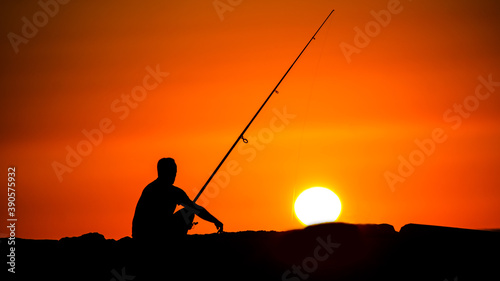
<point x="395" y="104"/>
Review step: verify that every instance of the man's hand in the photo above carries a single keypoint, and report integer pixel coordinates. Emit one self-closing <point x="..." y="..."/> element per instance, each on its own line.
<point x="219" y="226"/>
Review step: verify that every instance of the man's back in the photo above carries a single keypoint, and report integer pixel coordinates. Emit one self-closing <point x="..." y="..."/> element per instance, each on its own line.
<point x="155" y="209"/>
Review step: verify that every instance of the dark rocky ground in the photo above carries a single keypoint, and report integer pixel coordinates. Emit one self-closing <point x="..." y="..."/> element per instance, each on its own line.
<point x="334" y="251"/>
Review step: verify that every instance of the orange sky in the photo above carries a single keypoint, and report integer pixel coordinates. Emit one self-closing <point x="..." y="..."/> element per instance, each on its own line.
<point x="343" y="119"/>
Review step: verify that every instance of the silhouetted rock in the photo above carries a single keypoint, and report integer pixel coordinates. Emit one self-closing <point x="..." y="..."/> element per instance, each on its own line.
<point x="439" y="253"/>
<point x="335" y="251"/>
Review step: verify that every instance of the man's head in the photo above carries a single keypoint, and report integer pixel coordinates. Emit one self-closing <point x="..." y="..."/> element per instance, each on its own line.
<point x="167" y="170"/>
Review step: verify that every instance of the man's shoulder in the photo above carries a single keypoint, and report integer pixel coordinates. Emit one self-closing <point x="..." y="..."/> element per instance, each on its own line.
<point x="157" y="188"/>
<point x="178" y="190"/>
<point x="152" y="187"/>
<point x="180" y="195"/>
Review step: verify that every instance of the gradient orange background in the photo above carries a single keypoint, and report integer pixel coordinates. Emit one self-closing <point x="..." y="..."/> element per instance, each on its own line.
<point x="353" y="120"/>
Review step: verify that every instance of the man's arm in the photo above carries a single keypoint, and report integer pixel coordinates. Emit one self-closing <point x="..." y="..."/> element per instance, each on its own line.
<point x="201" y="212"/>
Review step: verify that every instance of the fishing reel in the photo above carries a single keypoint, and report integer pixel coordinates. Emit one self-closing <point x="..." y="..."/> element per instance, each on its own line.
<point x="191" y="225"/>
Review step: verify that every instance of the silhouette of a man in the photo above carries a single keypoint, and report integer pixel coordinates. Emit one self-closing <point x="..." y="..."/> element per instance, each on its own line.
<point x="154" y="214"/>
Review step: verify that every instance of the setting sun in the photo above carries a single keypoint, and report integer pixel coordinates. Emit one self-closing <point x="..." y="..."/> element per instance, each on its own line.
<point x="317" y="205"/>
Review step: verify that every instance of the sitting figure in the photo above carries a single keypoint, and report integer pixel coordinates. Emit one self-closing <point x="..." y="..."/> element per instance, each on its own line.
<point x="154" y="214"/>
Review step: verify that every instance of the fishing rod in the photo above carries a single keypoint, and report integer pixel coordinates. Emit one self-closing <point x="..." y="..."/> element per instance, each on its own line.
<point x="241" y="136"/>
